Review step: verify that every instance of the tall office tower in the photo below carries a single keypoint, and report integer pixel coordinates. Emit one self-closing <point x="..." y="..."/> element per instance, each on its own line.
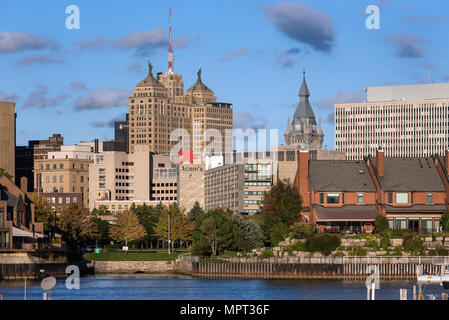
<point x="407" y="121"/>
<point x="304" y="132"/>
<point x="158" y="106"/>
<point x="7" y="137"/>
<point x="121" y="132"/>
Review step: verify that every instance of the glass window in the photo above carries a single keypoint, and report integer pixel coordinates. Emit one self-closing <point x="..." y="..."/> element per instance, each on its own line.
<point x="426" y="225"/>
<point x="321" y="198"/>
<point x="67" y="200"/>
<point x="390" y="197"/>
<point x="333" y="198"/>
<point x="437" y="224"/>
<point x="429" y="197"/>
<point x="401" y="224"/>
<point x="401" y="197"/>
<point x="360" y="198"/>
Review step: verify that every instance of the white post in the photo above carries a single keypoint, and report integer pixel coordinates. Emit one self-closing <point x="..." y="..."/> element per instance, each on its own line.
<point x="373" y="290"/>
<point x="25" y="293"/>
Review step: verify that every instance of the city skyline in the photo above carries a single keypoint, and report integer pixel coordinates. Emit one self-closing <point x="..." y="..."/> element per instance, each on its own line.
<point x="57" y="76"/>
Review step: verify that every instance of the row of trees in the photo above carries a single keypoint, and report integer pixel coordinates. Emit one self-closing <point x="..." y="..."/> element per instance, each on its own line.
<point x="206" y="233"/>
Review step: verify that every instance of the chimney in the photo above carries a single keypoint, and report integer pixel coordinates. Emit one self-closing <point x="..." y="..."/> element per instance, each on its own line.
<point x="302" y="176"/>
<point x="446" y="160"/>
<point x="24" y="184"/>
<point x="380" y="161"/>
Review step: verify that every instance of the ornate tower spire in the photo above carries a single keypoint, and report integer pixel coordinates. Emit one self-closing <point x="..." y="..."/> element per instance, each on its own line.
<point x="170" y="49"/>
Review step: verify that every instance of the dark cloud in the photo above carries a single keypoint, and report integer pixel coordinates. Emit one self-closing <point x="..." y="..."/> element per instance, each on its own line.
<point x="102" y="98"/>
<point x="39" y="98"/>
<point x="293" y="51"/>
<point x="133" y="67"/>
<point x="38" y="59"/>
<point x="108" y="123"/>
<point x="77" y="85"/>
<point x="143" y="42"/>
<point x="303" y="24"/>
<point x="8" y="97"/>
<point x="93" y="43"/>
<point x="340" y="97"/>
<point x="408" y="45"/>
<point x="285" y="61"/>
<point x="246" y="120"/>
<point x="233" y="54"/>
<point x="14" y="41"/>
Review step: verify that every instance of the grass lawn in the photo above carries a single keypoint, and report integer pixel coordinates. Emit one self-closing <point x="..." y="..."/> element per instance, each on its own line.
<point x="131" y="256"/>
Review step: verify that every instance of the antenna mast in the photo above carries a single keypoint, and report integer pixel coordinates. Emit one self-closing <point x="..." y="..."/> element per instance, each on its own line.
<point x="170" y="50"/>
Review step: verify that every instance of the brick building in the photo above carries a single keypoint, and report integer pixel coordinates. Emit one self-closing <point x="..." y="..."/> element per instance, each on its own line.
<point x="347" y="195"/>
<point x="18" y="231"/>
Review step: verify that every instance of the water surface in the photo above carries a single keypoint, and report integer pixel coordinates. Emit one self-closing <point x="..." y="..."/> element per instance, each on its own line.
<point x="138" y="287"/>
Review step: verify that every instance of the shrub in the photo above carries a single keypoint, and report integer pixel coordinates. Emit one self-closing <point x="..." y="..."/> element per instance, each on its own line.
<point x="445" y="221"/>
<point x="357" y="251"/>
<point x="381" y="224"/>
<point x="385" y="241"/>
<point x="297" y="246"/>
<point x="339" y="254"/>
<point x="267" y="253"/>
<point x="397" y="251"/>
<point x="324" y="244"/>
<point x="413" y="244"/>
<point x="371" y="241"/>
<point x="302" y="230"/>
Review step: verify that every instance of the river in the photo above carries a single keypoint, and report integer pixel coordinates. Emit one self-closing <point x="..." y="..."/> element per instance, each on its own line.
<point x="137" y="287"/>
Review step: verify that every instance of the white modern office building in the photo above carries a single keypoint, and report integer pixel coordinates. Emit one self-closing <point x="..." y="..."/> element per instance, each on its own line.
<point x="407" y="121"/>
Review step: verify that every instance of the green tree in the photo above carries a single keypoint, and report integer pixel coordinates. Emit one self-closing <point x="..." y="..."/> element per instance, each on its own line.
<point x="280" y="208"/>
<point x="148" y="219"/>
<point x="195" y="212"/>
<point x="43" y="212"/>
<point x="302" y="229"/>
<point x="101" y="211"/>
<point x="249" y="231"/>
<point x="381" y="224"/>
<point x="127" y="227"/>
<point x="3" y="172"/>
<point x="102" y="228"/>
<point x="180" y="226"/>
<point x="445" y="221"/>
<point x="213" y="233"/>
<point x="76" y="225"/>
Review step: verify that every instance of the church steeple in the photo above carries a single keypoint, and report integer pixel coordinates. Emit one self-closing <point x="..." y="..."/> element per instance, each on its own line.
<point x="304" y="91"/>
<point x="303" y="130"/>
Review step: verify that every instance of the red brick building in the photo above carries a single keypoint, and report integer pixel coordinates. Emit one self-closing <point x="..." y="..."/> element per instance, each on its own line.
<point x="18" y="231"/>
<point x="347" y="195"/>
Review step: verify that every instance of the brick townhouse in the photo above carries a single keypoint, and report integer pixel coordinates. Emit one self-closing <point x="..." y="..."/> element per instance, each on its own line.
<point x="347" y="195"/>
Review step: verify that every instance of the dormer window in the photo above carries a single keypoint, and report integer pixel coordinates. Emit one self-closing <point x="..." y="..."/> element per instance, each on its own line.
<point x="401" y="197"/>
<point x="429" y="197"/>
<point x="333" y="198"/>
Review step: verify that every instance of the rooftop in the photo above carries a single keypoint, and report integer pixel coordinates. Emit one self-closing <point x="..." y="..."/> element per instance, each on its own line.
<point x="340" y="175"/>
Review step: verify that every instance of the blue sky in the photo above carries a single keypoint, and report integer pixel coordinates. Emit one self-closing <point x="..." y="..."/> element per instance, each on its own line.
<point x="252" y="54"/>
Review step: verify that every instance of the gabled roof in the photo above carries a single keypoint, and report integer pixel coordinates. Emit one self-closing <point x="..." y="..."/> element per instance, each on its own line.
<point x="410" y="174"/>
<point x="340" y="176"/>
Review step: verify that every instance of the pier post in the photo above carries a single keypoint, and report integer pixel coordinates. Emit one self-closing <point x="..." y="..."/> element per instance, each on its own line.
<point x="414" y="292"/>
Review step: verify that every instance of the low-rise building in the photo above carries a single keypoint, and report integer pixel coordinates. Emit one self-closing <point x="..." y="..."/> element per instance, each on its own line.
<point x="348" y="195"/>
<point x="18" y="229"/>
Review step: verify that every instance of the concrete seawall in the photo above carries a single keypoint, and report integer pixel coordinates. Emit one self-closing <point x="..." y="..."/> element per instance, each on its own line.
<point x="131" y="267"/>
